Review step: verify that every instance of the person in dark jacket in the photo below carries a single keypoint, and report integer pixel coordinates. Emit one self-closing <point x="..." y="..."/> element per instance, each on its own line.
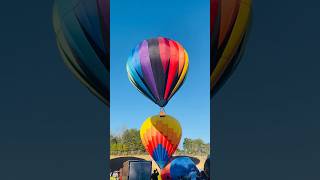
<point x="207" y="167"/>
<point x="203" y="176"/>
<point x="155" y="175"/>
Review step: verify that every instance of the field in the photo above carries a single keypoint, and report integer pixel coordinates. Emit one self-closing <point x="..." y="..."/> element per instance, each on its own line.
<point x="116" y="161"/>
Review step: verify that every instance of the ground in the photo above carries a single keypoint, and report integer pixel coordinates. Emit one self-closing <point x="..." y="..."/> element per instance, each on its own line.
<point x="116" y="161"/>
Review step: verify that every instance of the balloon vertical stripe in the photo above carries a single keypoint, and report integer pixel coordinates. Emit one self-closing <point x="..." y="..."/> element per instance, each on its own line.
<point x="182" y="75"/>
<point x="229" y="21"/>
<point x="82" y="33"/>
<point x="164" y="49"/>
<point x="147" y="68"/>
<point x="156" y="65"/>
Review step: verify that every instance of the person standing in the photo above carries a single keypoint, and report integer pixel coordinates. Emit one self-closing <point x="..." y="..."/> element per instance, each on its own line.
<point x="155" y="175"/>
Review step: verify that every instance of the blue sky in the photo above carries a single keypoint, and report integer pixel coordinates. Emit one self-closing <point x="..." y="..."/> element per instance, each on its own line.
<point x="184" y="21"/>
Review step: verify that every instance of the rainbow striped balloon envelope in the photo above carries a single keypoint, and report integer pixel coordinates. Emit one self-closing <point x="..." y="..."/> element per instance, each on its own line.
<point x="229" y="23"/>
<point x="157" y="68"/>
<point x="82" y="33"/>
<point x="161" y="136"/>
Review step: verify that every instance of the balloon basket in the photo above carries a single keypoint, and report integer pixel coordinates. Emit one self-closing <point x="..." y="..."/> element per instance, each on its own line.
<point x="162" y="112"/>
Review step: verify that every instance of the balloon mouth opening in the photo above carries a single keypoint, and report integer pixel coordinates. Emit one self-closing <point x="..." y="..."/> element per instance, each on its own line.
<point x="161" y="164"/>
<point x="162" y="112"/>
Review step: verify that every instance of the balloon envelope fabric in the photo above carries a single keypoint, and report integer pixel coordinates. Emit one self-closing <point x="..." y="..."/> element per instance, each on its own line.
<point x="181" y="167"/>
<point x="82" y="32"/>
<point x="161" y="135"/>
<point x="229" y="21"/>
<point x="157" y="68"/>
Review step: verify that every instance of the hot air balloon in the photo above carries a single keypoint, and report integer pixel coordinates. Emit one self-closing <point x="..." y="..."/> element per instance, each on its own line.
<point x="82" y="33"/>
<point x="181" y="167"/>
<point x="157" y="68"/>
<point x="161" y="135"/>
<point x="228" y="30"/>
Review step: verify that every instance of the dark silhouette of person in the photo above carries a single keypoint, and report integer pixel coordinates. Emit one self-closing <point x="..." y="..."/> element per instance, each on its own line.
<point x="203" y="176"/>
<point x="207" y="167"/>
<point x="155" y="175"/>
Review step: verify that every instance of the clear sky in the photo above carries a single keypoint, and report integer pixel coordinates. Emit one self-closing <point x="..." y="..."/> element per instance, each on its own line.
<point x="184" y="21"/>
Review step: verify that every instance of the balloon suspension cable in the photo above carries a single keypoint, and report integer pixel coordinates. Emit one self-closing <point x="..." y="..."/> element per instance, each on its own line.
<point x="162" y="112"/>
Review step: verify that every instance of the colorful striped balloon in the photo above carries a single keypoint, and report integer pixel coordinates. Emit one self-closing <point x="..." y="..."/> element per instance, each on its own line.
<point x="228" y="29"/>
<point x="82" y="32"/>
<point x="157" y="68"/>
<point x="161" y="136"/>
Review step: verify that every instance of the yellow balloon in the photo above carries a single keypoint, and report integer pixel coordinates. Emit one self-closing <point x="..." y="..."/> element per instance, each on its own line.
<point x="161" y="136"/>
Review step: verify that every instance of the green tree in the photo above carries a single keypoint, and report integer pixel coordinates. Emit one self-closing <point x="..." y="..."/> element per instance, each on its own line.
<point x="187" y="143"/>
<point x="195" y="146"/>
<point x="131" y="138"/>
<point x="129" y="142"/>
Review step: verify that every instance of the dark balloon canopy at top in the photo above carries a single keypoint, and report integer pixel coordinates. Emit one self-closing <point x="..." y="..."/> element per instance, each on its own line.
<point x="229" y="21"/>
<point x="157" y="68"/>
<point x="82" y="30"/>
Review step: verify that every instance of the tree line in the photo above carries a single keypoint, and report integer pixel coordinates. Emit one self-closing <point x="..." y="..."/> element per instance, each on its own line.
<point x="129" y="143"/>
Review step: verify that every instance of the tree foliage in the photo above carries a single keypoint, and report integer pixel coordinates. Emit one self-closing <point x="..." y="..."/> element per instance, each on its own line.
<point x="195" y="147"/>
<point x="129" y="142"/>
